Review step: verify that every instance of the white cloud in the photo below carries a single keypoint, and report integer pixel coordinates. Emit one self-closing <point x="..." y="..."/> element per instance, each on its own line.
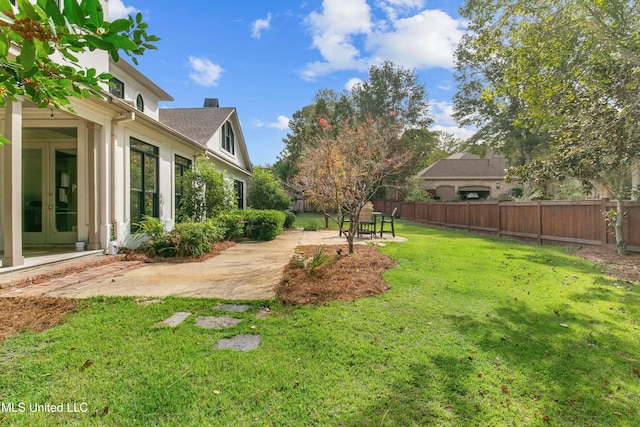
<point x="333" y="32"/>
<point x="352" y="82"/>
<point x="281" y="123"/>
<point x="348" y="36"/>
<point x="458" y="132"/>
<point x="117" y="10"/>
<point x="442" y="112"/>
<point x="204" y="72"/>
<point x="425" y="40"/>
<point x="260" y="25"/>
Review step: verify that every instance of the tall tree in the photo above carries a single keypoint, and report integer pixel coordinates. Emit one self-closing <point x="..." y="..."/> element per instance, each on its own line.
<point x="497" y="117"/>
<point x="392" y="95"/>
<point x="573" y="65"/>
<point x="31" y="33"/>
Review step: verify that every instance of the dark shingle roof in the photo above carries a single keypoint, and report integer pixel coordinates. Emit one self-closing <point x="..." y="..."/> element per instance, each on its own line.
<point x="466" y="165"/>
<point x="198" y="124"/>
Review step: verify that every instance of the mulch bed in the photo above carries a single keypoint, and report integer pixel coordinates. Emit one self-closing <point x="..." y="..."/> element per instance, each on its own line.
<point x="343" y="277"/>
<point x="33" y="313"/>
<point x="620" y="267"/>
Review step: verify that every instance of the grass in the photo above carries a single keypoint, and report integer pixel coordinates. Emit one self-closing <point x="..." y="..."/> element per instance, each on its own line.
<point x="474" y="331"/>
<point x="312" y="221"/>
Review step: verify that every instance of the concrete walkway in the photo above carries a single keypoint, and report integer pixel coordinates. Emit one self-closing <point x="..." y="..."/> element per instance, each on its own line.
<point x="246" y="271"/>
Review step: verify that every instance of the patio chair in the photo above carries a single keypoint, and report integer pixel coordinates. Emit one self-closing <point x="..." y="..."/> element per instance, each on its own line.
<point x="366" y="222"/>
<point x="388" y="219"/>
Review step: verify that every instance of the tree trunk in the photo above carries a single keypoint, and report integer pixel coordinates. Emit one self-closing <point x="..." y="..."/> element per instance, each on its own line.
<point x="353" y="228"/>
<point x="621" y="244"/>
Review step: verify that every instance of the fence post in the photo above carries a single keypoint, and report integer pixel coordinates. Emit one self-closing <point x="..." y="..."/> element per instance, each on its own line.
<point x="539" y="222"/>
<point x="499" y="224"/>
<point x="603" y="233"/>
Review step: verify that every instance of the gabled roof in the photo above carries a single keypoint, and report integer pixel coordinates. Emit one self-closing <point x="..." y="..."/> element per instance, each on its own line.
<point x="466" y="166"/>
<point x="198" y="124"/>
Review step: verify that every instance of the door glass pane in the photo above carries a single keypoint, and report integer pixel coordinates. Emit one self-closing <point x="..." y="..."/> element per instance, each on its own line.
<point x="32" y="190"/>
<point x="66" y="190"/>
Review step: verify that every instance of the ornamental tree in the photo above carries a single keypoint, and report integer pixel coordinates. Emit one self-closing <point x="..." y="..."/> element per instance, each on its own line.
<point x="40" y="48"/>
<point x="341" y="171"/>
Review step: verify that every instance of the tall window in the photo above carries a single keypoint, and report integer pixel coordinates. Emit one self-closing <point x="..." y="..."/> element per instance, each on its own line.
<point x="143" y="171"/>
<point x="117" y="88"/>
<point x="228" y="139"/>
<point x="239" y="185"/>
<point x="181" y="166"/>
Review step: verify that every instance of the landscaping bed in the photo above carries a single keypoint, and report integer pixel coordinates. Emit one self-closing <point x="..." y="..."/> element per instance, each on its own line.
<point x="340" y="277"/>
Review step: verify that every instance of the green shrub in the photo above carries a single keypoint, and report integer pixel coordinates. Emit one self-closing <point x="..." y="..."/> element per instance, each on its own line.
<point x="151" y="227"/>
<point x="263" y="224"/>
<point x="193" y="239"/>
<point x="233" y="222"/>
<point x="266" y="192"/>
<point x="289" y="220"/>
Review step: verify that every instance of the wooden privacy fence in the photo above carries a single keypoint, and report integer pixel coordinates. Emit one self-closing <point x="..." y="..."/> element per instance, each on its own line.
<point x="545" y="222"/>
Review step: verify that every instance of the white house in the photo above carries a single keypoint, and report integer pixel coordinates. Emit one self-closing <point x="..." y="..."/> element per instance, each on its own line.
<point x="88" y="177"/>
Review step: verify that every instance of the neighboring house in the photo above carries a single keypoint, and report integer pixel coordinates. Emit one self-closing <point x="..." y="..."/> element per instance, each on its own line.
<point x="466" y="176"/>
<point x="89" y="177"/>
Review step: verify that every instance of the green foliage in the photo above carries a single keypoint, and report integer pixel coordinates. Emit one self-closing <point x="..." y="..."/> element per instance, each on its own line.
<point x="38" y="30"/>
<point x="265" y="192"/>
<point x="204" y="193"/>
<point x="415" y="193"/>
<point x="318" y="259"/>
<point x="151" y="227"/>
<point x="289" y="220"/>
<point x="187" y="239"/>
<point x="570" y="69"/>
<point x="234" y="223"/>
<point x="263" y="224"/>
<point x="195" y="238"/>
<point x="392" y="95"/>
<point x="570" y="190"/>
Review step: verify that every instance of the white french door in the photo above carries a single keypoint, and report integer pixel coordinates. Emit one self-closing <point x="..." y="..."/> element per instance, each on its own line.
<point x="50" y="193"/>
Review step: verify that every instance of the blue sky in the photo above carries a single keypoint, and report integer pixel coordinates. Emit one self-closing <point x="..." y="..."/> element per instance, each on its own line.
<point x="269" y="58"/>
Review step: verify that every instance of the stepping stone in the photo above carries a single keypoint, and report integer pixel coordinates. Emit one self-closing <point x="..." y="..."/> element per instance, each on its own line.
<point x="177" y="318"/>
<point x="243" y="342"/>
<point x="210" y="322"/>
<point x="238" y="308"/>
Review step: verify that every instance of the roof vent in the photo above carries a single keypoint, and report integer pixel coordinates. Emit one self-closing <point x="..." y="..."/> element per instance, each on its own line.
<point x="211" y="103"/>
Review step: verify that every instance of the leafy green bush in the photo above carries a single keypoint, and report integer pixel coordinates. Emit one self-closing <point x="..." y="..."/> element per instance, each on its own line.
<point x="204" y="192"/>
<point x="265" y="192"/>
<point x="289" y="220"/>
<point x="263" y="224"/>
<point x="193" y="239"/>
<point x="234" y="223"/>
<point x="188" y="239"/>
<point x="150" y="227"/>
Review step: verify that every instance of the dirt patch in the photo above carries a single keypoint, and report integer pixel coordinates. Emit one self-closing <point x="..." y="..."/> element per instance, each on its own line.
<point x="620" y="267"/>
<point x="33" y="313"/>
<point x="340" y="277"/>
<point x="216" y="248"/>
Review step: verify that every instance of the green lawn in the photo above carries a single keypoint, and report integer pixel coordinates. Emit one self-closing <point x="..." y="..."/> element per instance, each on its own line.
<point x="474" y="331"/>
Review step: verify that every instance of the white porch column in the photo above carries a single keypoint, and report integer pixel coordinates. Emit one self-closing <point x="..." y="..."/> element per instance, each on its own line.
<point x="12" y="169"/>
